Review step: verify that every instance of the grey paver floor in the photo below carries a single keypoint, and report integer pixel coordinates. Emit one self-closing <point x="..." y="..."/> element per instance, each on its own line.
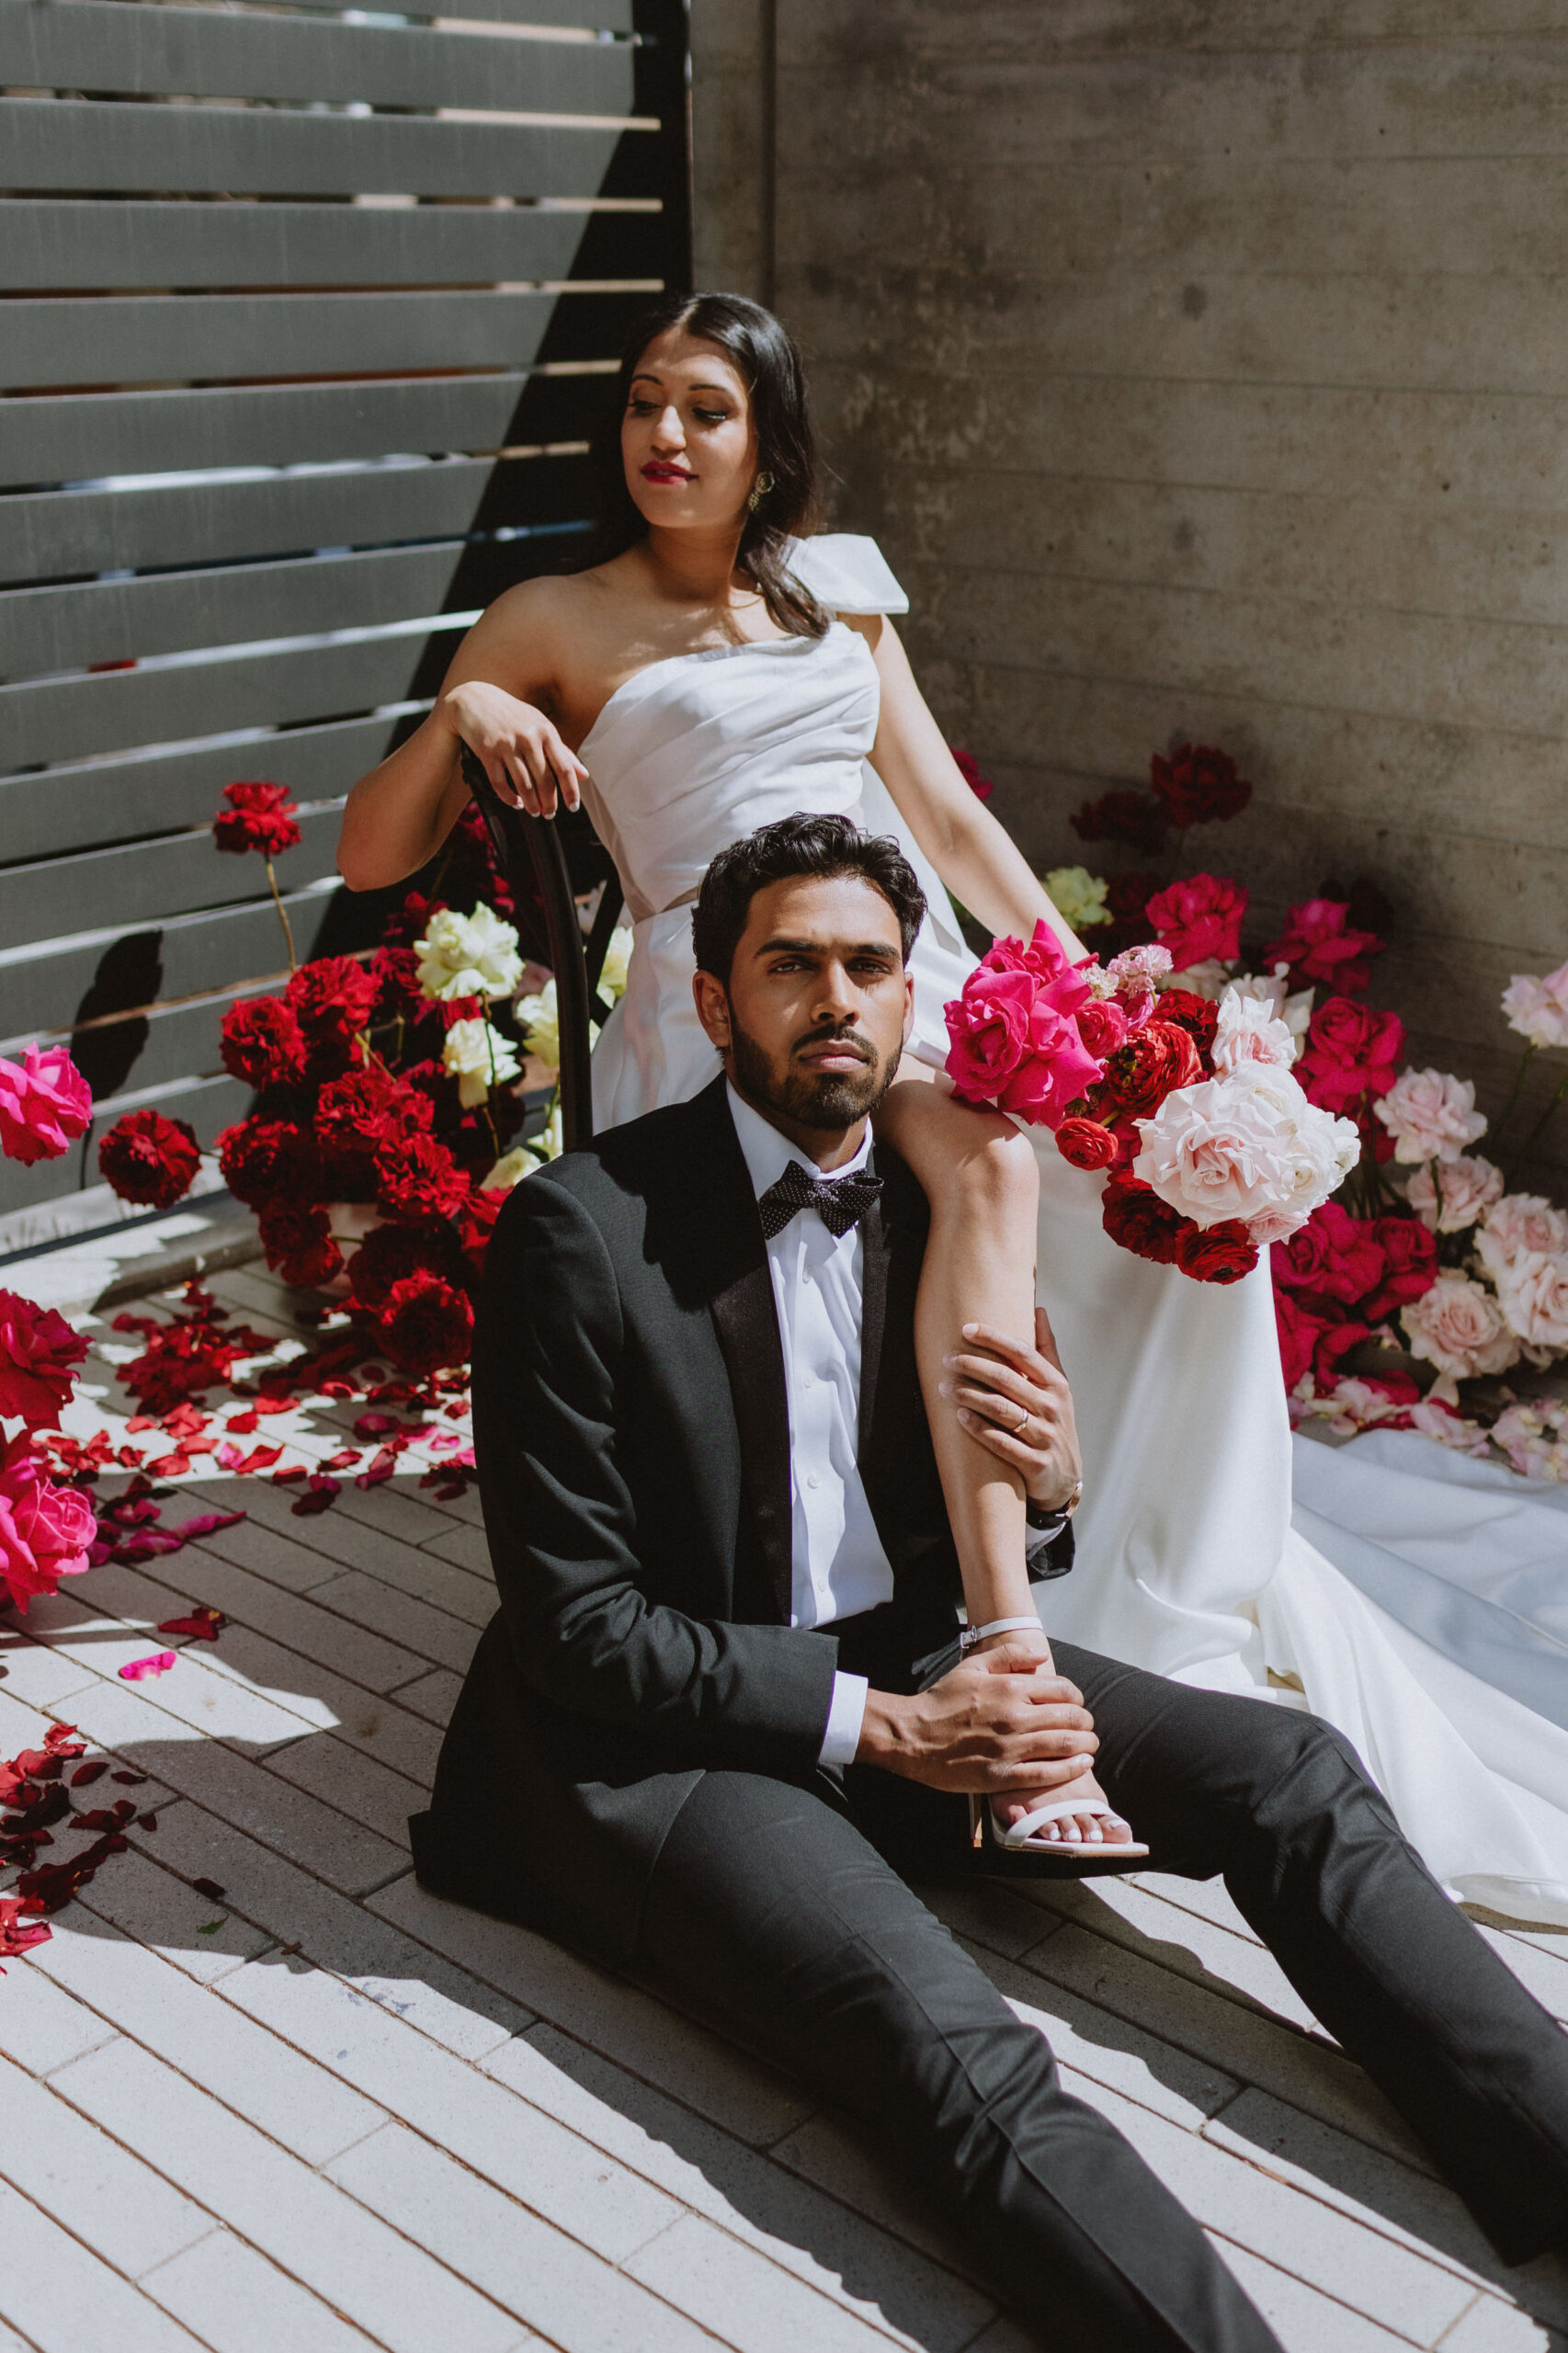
<point x="327" y="2111"/>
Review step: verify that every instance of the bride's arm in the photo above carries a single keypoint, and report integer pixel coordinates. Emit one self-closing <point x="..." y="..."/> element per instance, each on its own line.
<point x="399" y="814"/>
<point x="977" y="860"/>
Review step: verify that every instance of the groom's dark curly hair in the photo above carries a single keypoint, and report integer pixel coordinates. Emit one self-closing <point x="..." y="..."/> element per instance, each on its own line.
<point x="825" y="848"/>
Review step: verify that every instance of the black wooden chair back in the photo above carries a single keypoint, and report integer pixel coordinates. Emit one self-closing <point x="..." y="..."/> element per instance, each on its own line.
<point x="551" y="861"/>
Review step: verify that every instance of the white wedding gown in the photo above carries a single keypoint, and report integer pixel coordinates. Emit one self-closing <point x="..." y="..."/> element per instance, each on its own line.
<point x="1418" y="1601"/>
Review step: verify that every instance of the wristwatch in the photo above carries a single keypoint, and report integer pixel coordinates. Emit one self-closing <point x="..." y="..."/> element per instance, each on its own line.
<point x="1042" y="1522"/>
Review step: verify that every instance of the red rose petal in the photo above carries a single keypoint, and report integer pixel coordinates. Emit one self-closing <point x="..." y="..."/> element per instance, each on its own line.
<point x="209" y="1889"/>
<point x="201" y="1625"/>
<point x="131" y="1780"/>
<point x="84" y="1774"/>
<point x="318" y="1496"/>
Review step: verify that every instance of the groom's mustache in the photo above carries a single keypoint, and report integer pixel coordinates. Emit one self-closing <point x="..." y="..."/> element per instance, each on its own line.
<point x="834" y="1033"/>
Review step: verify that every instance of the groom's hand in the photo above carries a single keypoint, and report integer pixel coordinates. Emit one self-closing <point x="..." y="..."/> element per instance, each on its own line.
<point x="1001" y="1722"/>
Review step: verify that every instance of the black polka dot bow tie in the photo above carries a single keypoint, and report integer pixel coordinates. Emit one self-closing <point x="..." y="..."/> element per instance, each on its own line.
<point x="840" y="1202"/>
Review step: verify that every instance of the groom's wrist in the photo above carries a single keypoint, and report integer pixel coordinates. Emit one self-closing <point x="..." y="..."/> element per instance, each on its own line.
<point x="884" y="1730"/>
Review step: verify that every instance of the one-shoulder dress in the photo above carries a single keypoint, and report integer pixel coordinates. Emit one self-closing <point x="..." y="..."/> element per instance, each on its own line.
<point x="1415" y="1598"/>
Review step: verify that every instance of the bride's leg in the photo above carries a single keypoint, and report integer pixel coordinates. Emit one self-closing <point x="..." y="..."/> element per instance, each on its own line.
<point x="980" y="1178"/>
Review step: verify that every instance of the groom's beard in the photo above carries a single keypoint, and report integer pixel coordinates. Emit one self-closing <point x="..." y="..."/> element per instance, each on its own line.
<point x="825" y="1099"/>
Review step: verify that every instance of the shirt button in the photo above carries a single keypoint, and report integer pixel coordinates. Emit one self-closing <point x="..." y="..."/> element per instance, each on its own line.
<point x="813" y="1479"/>
<point x="808" y="1380"/>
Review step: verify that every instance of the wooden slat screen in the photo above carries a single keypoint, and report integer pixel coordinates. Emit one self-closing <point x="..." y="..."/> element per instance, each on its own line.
<point x="304" y="319"/>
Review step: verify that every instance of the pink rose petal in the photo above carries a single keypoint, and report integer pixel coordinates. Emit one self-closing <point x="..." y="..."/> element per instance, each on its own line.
<point x="159" y="1663"/>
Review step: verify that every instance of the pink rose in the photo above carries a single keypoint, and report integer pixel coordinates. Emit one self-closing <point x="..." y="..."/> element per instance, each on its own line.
<point x="1246" y="1031"/>
<point x="1532" y="1291"/>
<point x="1537" y="1009"/>
<point x="1453" y="1195"/>
<point x="988" y="1027"/>
<point x="1102" y="1026"/>
<point x="38" y="1353"/>
<point x="45" y="1530"/>
<point x="1430" y="1115"/>
<point x="44" y="1102"/>
<point x="1198" y="919"/>
<point x="1520" y="1221"/>
<point x="1013" y="1033"/>
<point x="1054" y="1071"/>
<point x="1243" y="1147"/>
<point x="1457" y="1326"/>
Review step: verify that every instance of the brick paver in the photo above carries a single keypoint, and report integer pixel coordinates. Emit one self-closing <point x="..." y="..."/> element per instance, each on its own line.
<point x="326" y="2111"/>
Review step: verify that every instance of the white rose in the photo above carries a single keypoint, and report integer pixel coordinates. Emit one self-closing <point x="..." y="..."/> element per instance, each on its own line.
<point x="1453" y="1195"/>
<point x="539" y="1022"/>
<point x="1520" y="1221"/>
<point x="1078" y="896"/>
<point x="1273" y="990"/>
<point x="1537" y="1009"/>
<point x="1247" y="1031"/>
<point x="616" y="963"/>
<point x="1457" y="1326"/>
<point x="479" y="1058"/>
<point x="472" y="955"/>
<point x="1430" y="1115"/>
<point x="1532" y="1291"/>
<point x="510" y="1169"/>
<point x="1248" y="1146"/>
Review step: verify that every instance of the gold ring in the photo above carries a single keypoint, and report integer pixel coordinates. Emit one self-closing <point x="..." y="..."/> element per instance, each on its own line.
<point x="1019" y="1428"/>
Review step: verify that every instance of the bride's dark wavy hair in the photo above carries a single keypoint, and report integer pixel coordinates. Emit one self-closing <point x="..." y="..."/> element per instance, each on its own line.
<point x="768" y="362"/>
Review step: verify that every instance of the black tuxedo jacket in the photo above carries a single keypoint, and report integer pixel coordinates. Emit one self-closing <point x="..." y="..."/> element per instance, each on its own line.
<point x="631" y="1431"/>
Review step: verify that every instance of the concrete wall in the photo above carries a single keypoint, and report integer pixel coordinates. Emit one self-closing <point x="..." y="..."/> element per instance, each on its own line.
<point x="1202" y="365"/>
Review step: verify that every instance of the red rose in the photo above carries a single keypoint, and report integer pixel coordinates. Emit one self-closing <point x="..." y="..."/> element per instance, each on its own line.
<point x="262" y="1042"/>
<point x="389" y="1253"/>
<point x="1333" y="1257"/>
<point x="1298" y="1334"/>
<point x="1085" y="1143"/>
<point x="259" y="816"/>
<point x="426" y="1323"/>
<point x="969" y="768"/>
<point x="1131" y="817"/>
<point x="1319" y="945"/>
<point x="418" y="1180"/>
<point x="1410" y="1252"/>
<point x="1134" y="1216"/>
<point x="267" y="1160"/>
<point x="476" y="1223"/>
<point x="1160" y="1058"/>
<point x="1200" y="919"/>
<point x="1216" y="1253"/>
<point x="1350" y="1051"/>
<point x="1199" y="1016"/>
<point x="38" y="1356"/>
<point x="299" y="1245"/>
<point x="333" y="998"/>
<point x="149" y="1159"/>
<point x="1333" y="1343"/>
<point x="1196" y="785"/>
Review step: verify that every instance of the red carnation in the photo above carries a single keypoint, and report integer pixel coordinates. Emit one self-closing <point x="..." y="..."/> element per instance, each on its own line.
<point x="1196" y="785"/>
<point x="1161" y="1057"/>
<point x="1085" y="1143"/>
<point x="390" y="1253"/>
<point x="333" y="998"/>
<point x="149" y="1159"/>
<point x="1198" y="919"/>
<point x="418" y="1180"/>
<point x="1199" y="1016"/>
<point x="398" y="994"/>
<point x="366" y="1108"/>
<point x="259" y="816"/>
<point x="1124" y="816"/>
<point x="476" y="1223"/>
<point x="426" y="1323"/>
<point x="1216" y="1253"/>
<point x="1410" y="1253"/>
<point x="1319" y="945"/>
<point x="267" y="1160"/>
<point x="1350" y="1051"/>
<point x="1134" y="1216"/>
<point x="969" y="768"/>
<point x="299" y="1245"/>
<point x="262" y="1042"/>
<point x="1298" y="1332"/>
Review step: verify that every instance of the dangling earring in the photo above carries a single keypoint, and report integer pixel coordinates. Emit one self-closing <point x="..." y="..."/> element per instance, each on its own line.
<point x="759" y="491"/>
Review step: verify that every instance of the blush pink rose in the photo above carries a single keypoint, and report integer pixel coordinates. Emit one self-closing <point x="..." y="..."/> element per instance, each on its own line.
<point x="1532" y="1291"/>
<point x="1458" y="1327"/>
<point x="44" y="1104"/>
<point x="1520" y="1221"/>
<point x="1430" y="1115"/>
<point x="1451" y="1198"/>
<point x="1198" y="919"/>
<point x="1537" y="1009"/>
<point x="1247" y="1031"/>
<point x="1248" y="1146"/>
<point x="45" y="1530"/>
<point x="38" y="1352"/>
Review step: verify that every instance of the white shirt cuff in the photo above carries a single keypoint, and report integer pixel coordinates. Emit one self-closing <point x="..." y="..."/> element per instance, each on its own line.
<point x="844" y="1717"/>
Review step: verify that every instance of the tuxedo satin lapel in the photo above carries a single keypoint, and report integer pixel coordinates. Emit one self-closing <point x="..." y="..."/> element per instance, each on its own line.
<point x="873" y="1323"/>
<point x="746" y="1322"/>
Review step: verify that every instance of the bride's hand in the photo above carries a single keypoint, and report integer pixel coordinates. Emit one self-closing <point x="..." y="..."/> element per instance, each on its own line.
<point x="518" y="748"/>
<point x="1015" y="1400"/>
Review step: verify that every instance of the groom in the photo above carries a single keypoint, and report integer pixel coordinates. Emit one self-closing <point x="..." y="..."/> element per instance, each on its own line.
<point x="720" y="1718"/>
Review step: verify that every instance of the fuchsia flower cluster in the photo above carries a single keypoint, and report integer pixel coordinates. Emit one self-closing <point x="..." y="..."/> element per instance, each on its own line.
<point x="1016" y="1038"/>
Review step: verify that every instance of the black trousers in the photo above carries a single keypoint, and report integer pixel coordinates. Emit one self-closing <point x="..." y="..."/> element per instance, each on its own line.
<point x="781" y="1915"/>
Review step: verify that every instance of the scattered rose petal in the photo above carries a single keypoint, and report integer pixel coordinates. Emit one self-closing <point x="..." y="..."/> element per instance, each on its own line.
<point x="141" y="1421"/>
<point x="170" y="1466"/>
<point x="201" y="1625"/>
<point x="344" y="1460"/>
<point x="261" y="1458"/>
<point x="84" y="1774"/>
<point x="319" y="1494"/>
<point x="209" y="1889"/>
<point x="131" y="1780"/>
<point x="241" y="1423"/>
<point x="295" y="1471"/>
<point x="159" y="1663"/>
<point x="18" y="1933"/>
<point x="207" y="1523"/>
<point x="147" y="1822"/>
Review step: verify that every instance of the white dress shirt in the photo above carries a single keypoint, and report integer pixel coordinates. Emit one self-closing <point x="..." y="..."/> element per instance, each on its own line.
<point x="838" y="1568"/>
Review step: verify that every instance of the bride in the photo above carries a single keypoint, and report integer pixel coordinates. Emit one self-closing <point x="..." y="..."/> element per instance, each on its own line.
<point x="717" y="667"/>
